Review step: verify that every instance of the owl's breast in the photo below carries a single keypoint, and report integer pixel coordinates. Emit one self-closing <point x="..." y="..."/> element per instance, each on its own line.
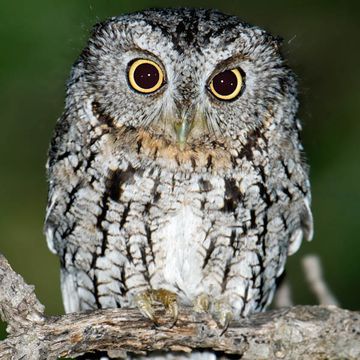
<point x="210" y="232"/>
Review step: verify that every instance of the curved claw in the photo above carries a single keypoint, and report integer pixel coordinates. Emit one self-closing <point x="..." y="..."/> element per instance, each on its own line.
<point x="144" y="302"/>
<point x="174" y="311"/>
<point x="222" y="314"/>
<point x="225" y="324"/>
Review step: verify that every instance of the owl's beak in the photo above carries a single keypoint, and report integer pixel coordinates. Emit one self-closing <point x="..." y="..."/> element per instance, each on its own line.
<point x="188" y="119"/>
<point x="182" y="130"/>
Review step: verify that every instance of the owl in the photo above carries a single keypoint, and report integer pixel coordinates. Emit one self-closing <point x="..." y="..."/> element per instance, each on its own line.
<point x="176" y="172"/>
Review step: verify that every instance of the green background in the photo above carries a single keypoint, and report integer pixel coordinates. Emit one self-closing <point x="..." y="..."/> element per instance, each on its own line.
<point x="39" y="41"/>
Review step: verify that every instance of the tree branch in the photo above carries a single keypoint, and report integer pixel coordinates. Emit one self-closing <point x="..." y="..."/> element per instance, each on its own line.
<point x="314" y="277"/>
<point x="304" y="332"/>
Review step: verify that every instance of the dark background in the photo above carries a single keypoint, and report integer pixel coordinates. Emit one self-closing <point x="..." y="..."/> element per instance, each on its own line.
<point x="39" y="41"/>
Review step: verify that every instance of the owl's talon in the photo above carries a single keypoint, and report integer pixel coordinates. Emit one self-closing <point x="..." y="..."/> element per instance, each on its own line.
<point x="146" y="300"/>
<point x="222" y="314"/>
<point x="225" y="324"/>
<point x="174" y="312"/>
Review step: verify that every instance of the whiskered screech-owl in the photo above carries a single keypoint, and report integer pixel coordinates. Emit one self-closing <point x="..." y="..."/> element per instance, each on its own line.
<point x="176" y="171"/>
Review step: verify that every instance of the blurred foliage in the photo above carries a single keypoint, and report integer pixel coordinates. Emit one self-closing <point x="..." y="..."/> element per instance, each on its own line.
<point x="39" y="41"/>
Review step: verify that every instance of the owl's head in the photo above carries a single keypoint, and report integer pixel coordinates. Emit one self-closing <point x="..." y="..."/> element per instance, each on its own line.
<point x="188" y="77"/>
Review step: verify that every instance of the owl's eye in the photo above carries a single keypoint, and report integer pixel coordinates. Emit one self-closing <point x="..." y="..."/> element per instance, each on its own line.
<point x="145" y="76"/>
<point x="227" y="84"/>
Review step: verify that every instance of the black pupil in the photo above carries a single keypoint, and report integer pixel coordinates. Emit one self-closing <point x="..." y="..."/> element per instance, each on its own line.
<point x="225" y="83"/>
<point x="146" y="76"/>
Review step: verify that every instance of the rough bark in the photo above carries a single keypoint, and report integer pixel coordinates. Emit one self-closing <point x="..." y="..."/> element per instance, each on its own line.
<point x="299" y="332"/>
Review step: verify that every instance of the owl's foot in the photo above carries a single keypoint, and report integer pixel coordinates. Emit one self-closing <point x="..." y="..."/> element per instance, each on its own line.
<point x="220" y="310"/>
<point x="147" y="299"/>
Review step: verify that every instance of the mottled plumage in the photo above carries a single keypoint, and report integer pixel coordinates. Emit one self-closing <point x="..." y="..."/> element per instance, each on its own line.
<point x="129" y="209"/>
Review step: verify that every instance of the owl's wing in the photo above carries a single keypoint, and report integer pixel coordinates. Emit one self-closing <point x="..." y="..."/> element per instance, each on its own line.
<point x="49" y="227"/>
<point x="63" y="183"/>
<point x="58" y="149"/>
<point x="306" y="229"/>
<point x="58" y="245"/>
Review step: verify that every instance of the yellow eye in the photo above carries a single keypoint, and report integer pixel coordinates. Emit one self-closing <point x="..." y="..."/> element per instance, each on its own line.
<point x="227" y="84"/>
<point x="145" y="76"/>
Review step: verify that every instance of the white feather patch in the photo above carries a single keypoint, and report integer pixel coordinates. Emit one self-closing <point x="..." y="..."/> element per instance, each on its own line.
<point x="69" y="292"/>
<point x="181" y="238"/>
